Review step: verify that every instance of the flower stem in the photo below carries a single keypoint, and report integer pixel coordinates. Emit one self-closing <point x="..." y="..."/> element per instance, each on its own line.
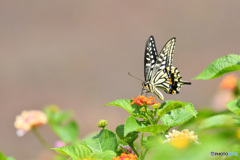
<point x="40" y="138"/>
<point x="133" y="148"/>
<point x="141" y="149"/>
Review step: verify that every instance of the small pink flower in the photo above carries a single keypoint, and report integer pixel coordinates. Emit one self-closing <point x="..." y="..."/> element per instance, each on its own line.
<point x="29" y="119"/>
<point x="59" y="143"/>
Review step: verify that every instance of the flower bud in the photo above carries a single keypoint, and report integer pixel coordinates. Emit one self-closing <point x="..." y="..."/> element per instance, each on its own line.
<point x="102" y="123"/>
<point x="156" y="106"/>
<point x="143" y="109"/>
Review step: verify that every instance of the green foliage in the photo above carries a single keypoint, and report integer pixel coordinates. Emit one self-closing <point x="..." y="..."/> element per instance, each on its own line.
<point x="132" y="124"/>
<point x="62" y="124"/>
<point x="234" y="106"/>
<point x="126" y="104"/>
<point x="129" y="138"/>
<point x="220" y="66"/>
<point x="209" y="143"/>
<point x="173" y="105"/>
<point x="76" y="151"/>
<point x="104" y="141"/>
<point x="220" y="121"/>
<point x="3" y="157"/>
<point x="178" y="117"/>
<point x="107" y="155"/>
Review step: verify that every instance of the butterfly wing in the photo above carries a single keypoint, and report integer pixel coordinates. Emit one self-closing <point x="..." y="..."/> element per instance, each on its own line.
<point x="149" y="58"/>
<point x="158" y="69"/>
<point x="169" y="80"/>
<point x="165" y="57"/>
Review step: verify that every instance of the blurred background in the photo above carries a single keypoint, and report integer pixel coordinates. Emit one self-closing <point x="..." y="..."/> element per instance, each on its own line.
<point x="77" y="55"/>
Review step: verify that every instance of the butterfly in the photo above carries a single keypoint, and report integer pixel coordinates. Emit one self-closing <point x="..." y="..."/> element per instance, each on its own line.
<point x="158" y="69"/>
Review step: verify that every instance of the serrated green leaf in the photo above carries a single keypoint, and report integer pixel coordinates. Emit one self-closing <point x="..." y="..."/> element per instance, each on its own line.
<point x="166" y="103"/>
<point x="103" y="141"/>
<point x="220" y="66"/>
<point x="131" y="125"/>
<point x="170" y="106"/>
<point x="220" y="121"/>
<point x="154" y="129"/>
<point x="130" y="138"/>
<point x="234" y="106"/>
<point x="68" y="133"/>
<point x="126" y="104"/>
<point x="107" y="155"/>
<point x="76" y="151"/>
<point x="190" y="108"/>
<point x="176" y="117"/>
<point x="173" y="105"/>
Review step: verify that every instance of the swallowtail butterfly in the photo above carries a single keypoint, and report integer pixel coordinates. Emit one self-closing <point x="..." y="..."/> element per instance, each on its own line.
<point x="158" y="69"/>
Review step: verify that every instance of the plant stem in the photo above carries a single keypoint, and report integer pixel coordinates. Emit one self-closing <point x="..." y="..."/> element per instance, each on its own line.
<point x="40" y="138"/>
<point x="133" y="148"/>
<point x="147" y="116"/>
<point x="141" y="148"/>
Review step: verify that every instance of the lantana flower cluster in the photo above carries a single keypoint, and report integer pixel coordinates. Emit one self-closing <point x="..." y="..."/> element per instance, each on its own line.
<point x="181" y="139"/>
<point x="29" y="119"/>
<point x="125" y="156"/>
<point x="142" y="100"/>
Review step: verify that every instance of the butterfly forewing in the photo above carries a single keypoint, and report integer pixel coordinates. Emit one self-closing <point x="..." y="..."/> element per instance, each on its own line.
<point x="150" y="58"/>
<point x="165" y="57"/>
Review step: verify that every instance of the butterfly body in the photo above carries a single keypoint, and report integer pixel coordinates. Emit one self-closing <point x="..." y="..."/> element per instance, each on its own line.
<point x="158" y="69"/>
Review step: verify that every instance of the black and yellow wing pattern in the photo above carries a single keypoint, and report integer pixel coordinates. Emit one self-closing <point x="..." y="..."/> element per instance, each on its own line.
<point x="158" y="69"/>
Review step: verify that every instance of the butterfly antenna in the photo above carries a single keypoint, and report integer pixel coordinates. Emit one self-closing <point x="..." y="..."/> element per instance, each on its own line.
<point x="135" y="77"/>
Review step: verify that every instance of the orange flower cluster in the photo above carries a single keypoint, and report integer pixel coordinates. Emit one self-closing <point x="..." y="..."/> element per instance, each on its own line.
<point x="229" y="82"/>
<point x="142" y="100"/>
<point x="125" y="156"/>
<point x="29" y="119"/>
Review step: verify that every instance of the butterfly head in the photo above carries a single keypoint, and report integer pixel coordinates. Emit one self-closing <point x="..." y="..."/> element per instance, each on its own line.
<point x="146" y="85"/>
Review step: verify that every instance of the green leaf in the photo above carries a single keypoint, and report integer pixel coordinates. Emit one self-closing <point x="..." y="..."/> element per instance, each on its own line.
<point x="103" y="141"/>
<point x="170" y="106"/>
<point x="130" y="138"/>
<point x="173" y="105"/>
<point x="154" y="129"/>
<point x="220" y="121"/>
<point x="190" y="108"/>
<point x="66" y="129"/>
<point x="2" y="156"/>
<point x="131" y="125"/>
<point x="76" y="151"/>
<point x="234" y="106"/>
<point x="177" y="117"/>
<point x="220" y="66"/>
<point x="10" y="158"/>
<point x="68" y="133"/>
<point x="55" y="115"/>
<point x="126" y="104"/>
<point x="107" y="155"/>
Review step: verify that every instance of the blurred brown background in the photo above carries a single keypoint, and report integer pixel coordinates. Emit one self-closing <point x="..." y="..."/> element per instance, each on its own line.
<point x="76" y="54"/>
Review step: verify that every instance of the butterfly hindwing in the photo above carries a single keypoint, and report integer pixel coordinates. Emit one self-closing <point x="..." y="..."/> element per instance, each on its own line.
<point x="169" y="80"/>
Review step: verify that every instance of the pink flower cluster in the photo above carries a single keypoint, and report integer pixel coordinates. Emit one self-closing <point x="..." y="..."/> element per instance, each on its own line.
<point x="29" y="119"/>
